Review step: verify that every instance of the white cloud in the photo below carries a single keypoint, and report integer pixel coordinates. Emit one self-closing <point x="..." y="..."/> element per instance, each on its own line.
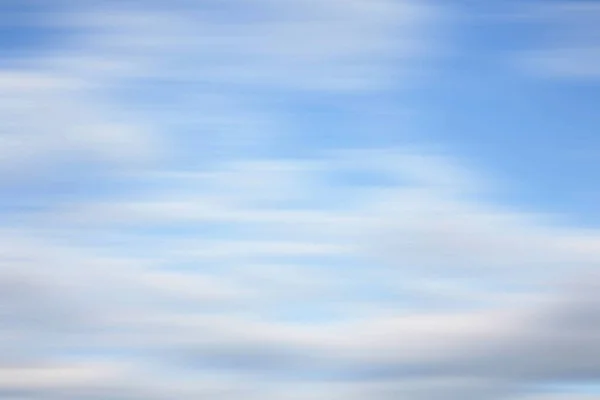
<point x="59" y="377"/>
<point x="298" y="44"/>
<point x="193" y="287"/>
<point x="50" y="119"/>
<point x="190" y="312"/>
<point x="575" y="396"/>
<point x="485" y="352"/>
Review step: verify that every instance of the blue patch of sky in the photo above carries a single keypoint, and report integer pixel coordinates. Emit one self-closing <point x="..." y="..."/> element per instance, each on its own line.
<point x="306" y="311"/>
<point x="317" y="125"/>
<point x="27" y="29"/>
<point x="582" y="388"/>
<point x="60" y="184"/>
<point x="337" y="303"/>
<point x="538" y="134"/>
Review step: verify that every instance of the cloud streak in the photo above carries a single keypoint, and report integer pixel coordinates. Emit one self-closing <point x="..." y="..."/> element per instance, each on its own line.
<point x="181" y="244"/>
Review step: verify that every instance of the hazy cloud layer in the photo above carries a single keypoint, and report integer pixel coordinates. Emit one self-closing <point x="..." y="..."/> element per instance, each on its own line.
<point x="166" y="235"/>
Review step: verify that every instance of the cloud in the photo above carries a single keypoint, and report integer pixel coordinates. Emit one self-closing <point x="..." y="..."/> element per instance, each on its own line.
<point x="52" y="121"/>
<point x="426" y="354"/>
<point x="75" y="85"/>
<point x="298" y="44"/>
<point x="481" y="352"/>
<point x="58" y="378"/>
<point x="559" y="397"/>
<point x="126" y="297"/>
<point x="209" y="275"/>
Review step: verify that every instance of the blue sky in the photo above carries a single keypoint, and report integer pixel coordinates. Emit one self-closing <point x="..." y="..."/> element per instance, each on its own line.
<point x="299" y="199"/>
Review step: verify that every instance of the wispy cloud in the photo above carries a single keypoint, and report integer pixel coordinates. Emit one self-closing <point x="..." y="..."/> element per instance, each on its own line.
<point x="166" y="234"/>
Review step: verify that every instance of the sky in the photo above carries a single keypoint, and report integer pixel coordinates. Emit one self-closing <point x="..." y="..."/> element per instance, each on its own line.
<point x="299" y="199"/>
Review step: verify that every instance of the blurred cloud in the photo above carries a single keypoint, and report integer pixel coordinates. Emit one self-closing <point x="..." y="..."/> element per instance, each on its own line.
<point x="196" y="249"/>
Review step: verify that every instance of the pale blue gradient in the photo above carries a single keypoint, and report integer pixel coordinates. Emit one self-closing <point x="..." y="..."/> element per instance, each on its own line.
<point x="299" y="199"/>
